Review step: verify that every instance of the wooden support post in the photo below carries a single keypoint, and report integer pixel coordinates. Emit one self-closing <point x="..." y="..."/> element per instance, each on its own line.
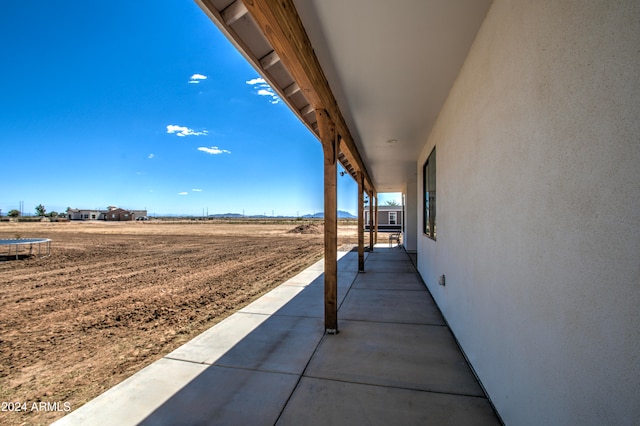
<point x="360" y="178"/>
<point x="330" y="148"/>
<point x="375" y="233"/>
<point x="370" y="221"/>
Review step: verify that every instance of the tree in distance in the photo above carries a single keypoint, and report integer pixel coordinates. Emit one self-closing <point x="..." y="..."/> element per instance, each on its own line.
<point x="40" y="210"/>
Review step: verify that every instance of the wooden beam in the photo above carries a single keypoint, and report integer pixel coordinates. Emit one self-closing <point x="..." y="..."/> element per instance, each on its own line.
<point x="375" y="232"/>
<point x="291" y="89"/>
<point x="370" y="207"/>
<point x="282" y="27"/>
<point x="350" y="149"/>
<point x="351" y="159"/>
<point x="233" y="12"/>
<point x="330" y="148"/>
<point x="307" y="109"/>
<point x="360" y="179"/>
<point x="269" y="60"/>
<point x="236" y="10"/>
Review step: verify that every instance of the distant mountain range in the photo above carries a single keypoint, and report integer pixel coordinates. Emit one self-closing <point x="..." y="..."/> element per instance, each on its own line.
<point x="341" y="215"/>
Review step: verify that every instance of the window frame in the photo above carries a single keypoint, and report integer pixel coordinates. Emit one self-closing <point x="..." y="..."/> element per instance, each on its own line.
<point x="429" y="224"/>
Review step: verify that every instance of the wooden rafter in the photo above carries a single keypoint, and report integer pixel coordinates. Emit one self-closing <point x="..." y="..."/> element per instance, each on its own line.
<point x="282" y="27"/>
<point x="237" y="13"/>
<point x="233" y="12"/>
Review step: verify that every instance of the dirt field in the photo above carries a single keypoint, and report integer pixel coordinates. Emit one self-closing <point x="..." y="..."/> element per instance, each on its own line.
<point x="114" y="297"/>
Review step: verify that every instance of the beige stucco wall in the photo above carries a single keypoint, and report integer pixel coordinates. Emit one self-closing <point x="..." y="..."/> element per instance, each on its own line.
<point x="538" y="198"/>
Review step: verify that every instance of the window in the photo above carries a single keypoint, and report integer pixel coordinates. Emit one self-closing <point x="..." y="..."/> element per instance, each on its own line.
<point x="392" y="218"/>
<point x="367" y="216"/>
<point x="429" y="188"/>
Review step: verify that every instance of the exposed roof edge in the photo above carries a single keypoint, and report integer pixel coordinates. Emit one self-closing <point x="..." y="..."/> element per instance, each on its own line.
<point x="271" y="37"/>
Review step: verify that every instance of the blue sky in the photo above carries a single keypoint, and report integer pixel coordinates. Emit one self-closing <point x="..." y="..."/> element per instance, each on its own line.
<point x="145" y="104"/>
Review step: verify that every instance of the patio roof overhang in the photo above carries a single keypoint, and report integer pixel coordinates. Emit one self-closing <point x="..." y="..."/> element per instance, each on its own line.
<point x="270" y="35"/>
<point x="392" y="65"/>
<point x="382" y="70"/>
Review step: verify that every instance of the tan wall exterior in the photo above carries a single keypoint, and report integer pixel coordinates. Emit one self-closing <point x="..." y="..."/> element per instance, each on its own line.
<point x="538" y="220"/>
<point x="90" y="215"/>
<point x="118" y="215"/>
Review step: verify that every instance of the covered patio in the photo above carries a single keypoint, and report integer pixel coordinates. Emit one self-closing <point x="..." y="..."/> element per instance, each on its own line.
<point x="357" y="338"/>
<point x="395" y="361"/>
<point x="531" y="112"/>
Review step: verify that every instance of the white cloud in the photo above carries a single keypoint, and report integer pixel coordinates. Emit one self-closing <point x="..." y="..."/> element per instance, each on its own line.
<point x="184" y="131"/>
<point x="214" y="150"/>
<point x="264" y="89"/>
<point x="196" y="78"/>
<point x="196" y="190"/>
<point x="150" y="156"/>
<point x="183" y="193"/>
<point x="256" y="81"/>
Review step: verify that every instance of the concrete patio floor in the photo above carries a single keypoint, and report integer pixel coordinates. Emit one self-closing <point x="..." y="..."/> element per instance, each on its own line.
<point x="394" y="361"/>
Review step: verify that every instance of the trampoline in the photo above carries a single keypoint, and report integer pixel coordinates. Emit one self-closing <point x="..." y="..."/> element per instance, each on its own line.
<point x="31" y="242"/>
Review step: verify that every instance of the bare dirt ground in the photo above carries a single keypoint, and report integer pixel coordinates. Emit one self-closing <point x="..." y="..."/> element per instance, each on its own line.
<point x="114" y="297"/>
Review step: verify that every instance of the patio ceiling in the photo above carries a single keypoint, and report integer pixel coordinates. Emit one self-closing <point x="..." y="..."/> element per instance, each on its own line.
<point x="389" y="66"/>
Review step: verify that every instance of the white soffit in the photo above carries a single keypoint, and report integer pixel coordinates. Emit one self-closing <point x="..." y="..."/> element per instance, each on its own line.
<point x="390" y="65"/>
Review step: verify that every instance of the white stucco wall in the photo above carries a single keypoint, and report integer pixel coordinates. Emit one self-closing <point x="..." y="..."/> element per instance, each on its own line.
<point x="538" y="211"/>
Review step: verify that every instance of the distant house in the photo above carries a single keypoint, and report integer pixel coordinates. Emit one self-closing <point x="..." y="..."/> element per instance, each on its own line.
<point x="117" y="214"/>
<point x="112" y="213"/>
<point x="84" y="214"/>
<point x="390" y="218"/>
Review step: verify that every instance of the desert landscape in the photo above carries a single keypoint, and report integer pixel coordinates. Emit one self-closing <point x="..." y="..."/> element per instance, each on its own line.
<point x="113" y="297"/>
